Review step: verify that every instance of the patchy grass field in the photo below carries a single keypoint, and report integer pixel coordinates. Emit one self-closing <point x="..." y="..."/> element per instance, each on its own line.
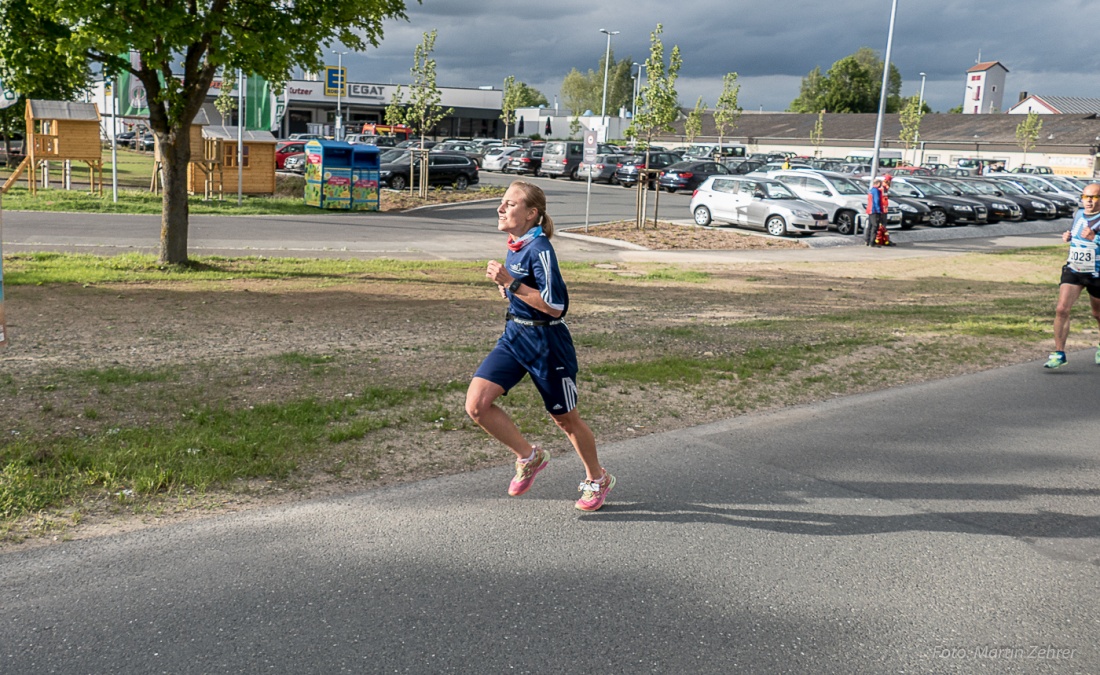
<point x="133" y="393"/>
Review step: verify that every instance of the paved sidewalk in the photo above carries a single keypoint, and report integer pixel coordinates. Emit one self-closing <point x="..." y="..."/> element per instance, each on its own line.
<point x="952" y="526"/>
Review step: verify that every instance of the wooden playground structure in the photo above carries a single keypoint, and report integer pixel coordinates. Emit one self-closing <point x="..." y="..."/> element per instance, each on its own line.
<point x="60" y="131"/>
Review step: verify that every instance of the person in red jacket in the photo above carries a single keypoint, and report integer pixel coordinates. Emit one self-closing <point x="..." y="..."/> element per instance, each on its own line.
<point x="882" y="237"/>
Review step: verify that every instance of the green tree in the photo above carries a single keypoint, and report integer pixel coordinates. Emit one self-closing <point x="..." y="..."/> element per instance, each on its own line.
<point x="872" y="63"/>
<point x="517" y="95"/>
<point x="911" y="116"/>
<point x="1027" y="132"/>
<point x="861" y="70"/>
<point x="817" y="134"/>
<point x="694" y="123"/>
<point x="423" y="110"/>
<point x="582" y="92"/>
<point x="658" y="104"/>
<point x="40" y="71"/>
<point x="727" y="111"/>
<point x="810" y="94"/>
<point x="849" y="88"/>
<point x="182" y="44"/>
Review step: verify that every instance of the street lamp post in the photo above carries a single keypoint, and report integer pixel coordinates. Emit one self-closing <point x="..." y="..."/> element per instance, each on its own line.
<point x="882" y="93"/>
<point x="634" y="102"/>
<point x="339" y="135"/>
<point x="606" y="66"/>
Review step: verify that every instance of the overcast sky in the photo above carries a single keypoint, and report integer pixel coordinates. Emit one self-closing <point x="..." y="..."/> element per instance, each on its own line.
<point x="1050" y="47"/>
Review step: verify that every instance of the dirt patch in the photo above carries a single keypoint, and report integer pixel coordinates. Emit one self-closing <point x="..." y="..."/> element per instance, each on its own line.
<point x="745" y="338"/>
<point x="667" y="236"/>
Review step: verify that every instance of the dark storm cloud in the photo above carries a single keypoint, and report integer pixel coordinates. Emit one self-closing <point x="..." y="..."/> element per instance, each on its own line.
<point x="1047" y="46"/>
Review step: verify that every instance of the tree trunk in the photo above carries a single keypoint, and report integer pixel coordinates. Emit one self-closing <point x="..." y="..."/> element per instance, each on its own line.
<point x="175" y="153"/>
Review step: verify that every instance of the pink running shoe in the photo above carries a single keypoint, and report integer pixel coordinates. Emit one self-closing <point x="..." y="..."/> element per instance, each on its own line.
<point x="593" y="493"/>
<point x="526" y="472"/>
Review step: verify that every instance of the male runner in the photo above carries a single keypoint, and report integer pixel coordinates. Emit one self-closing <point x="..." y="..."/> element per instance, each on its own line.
<point x="1081" y="271"/>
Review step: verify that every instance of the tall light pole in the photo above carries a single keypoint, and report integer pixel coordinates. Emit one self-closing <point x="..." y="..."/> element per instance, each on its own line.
<point x="339" y="135"/>
<point x="882" y="93"/>
<point x="606" y="66"/>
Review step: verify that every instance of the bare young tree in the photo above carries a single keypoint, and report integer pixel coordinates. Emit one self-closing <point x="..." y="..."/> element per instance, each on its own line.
<point x="658" y="106"/>
<point x="727" y="111"/>
<point x="1027" y="132"/>
<point x="423" y="110"/>
<point x="694" y="123"/>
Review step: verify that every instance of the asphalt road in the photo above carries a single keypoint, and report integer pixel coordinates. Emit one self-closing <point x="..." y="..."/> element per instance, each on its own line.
<point x="463" y="232"/>
<point x="952" y="526"/>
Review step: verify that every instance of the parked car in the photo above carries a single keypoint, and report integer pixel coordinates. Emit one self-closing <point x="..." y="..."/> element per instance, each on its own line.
<point x="756" y="202"/>
<point x="911" y="171"/>
<point x="631" y="167"/>
<point x="947" y="209"/>
<point x="1029" y="168"/>
<point x="743" y="166"/>
<point x="146" y="142"/>
<point x="561" y="158"/>
<point x="284" y="149"/>
<point x="842" y="198"/>
<point x="295" y="163"/>
<point x="1033" y="208"/>
<point x="602" y="170"/>
<point x="710" y="150"/>
<point x="689" y="174"/>
<point x="952" y="172"/>
<point x="526" y="161"/>
<point x="498" y="156"/>
<point x="826" y="163"/>
<point x="999" y="207"/>
<point x="444" y="168"/>
<point x="468" y="148"/>
<point x="414" y="143"/>
<point x="1065" y="199"/>
<point x="305" y="137"/>
<point x="125" y="138"/>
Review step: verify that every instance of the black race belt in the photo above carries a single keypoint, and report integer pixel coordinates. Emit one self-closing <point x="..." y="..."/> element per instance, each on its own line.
<point x="533" y="322"/>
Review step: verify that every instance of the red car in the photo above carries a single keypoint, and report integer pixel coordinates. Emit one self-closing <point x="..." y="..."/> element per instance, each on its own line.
<point x="285" y="149"/>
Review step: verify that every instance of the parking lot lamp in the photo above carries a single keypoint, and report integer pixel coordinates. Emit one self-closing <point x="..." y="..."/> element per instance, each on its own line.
<point x="882" y="92"/>
<point x="606" y="65"/>
<point x="339" y="135"/>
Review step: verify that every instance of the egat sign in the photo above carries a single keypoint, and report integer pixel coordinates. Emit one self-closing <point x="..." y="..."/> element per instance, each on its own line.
<point x="306" y="90"/>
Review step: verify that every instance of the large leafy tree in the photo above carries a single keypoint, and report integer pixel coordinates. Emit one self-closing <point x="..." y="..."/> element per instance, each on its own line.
<point x="517" y="95"/>
<point x="852" y="84"/>
<point x="581" y="92"/>
<point x="36" y="70"/>
<point x="182" y="44"/>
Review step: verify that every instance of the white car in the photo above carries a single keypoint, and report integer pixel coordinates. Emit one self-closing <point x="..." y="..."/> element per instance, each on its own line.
<point x="841" y="197"/>
<point x="498" y="156"/>
<point x="756" y="202"/>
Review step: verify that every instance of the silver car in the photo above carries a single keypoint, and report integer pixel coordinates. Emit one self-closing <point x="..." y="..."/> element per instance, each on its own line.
<point x="498" y="156"/>
<point x="756" y="202"/>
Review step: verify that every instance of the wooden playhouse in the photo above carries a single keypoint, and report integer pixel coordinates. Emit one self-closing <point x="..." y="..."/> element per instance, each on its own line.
<point x="61" y="131"/>
<point x="214" y="169"/>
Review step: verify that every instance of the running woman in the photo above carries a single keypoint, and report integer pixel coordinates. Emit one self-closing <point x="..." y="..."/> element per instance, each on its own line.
<point x="1081" y="271"/>
<point x="535" y="342"/>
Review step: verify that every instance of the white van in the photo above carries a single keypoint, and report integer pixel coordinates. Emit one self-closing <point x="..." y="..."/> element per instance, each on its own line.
<point x="887" y="159"/>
